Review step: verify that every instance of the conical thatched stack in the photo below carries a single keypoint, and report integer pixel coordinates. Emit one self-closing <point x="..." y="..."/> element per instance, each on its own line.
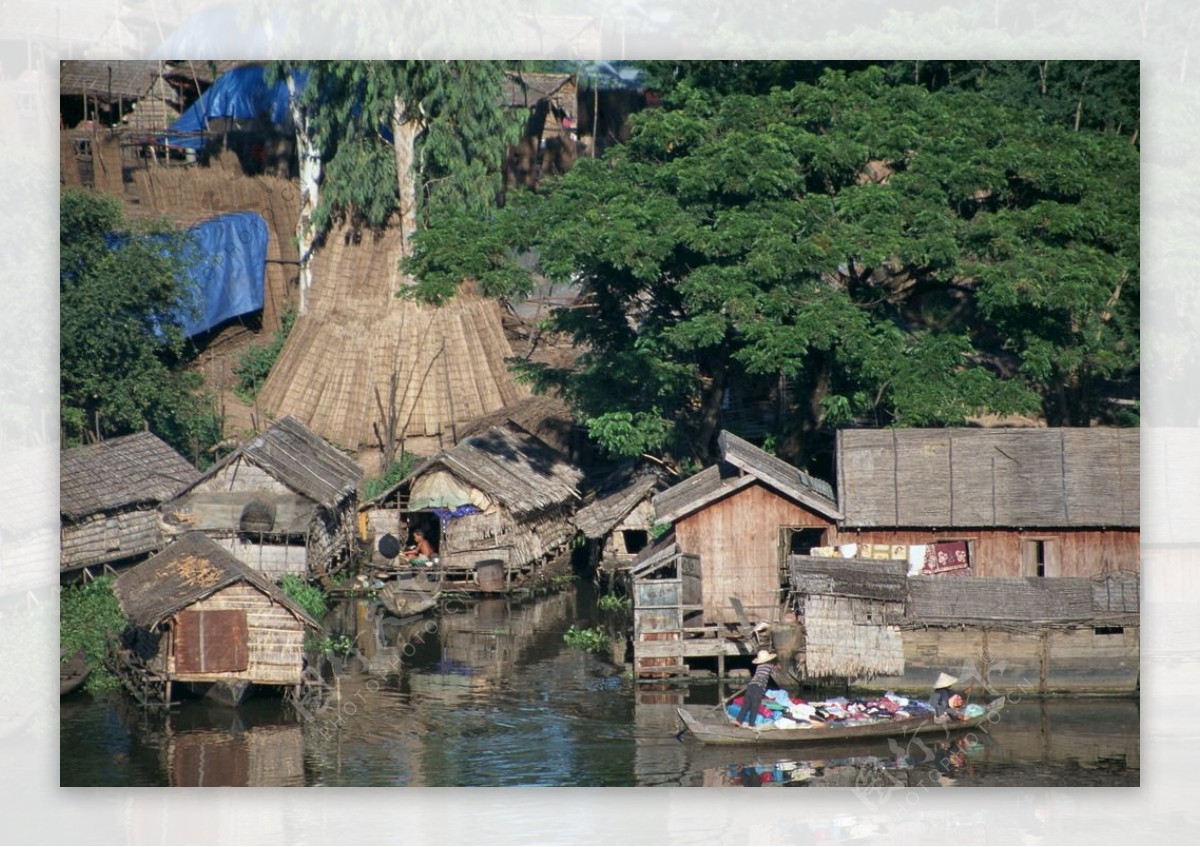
<point x="448" y="361"/>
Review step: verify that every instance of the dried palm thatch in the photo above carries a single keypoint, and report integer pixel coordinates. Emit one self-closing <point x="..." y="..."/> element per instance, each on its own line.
<point x="340" y="359"/>
<point x="123" y="472"/>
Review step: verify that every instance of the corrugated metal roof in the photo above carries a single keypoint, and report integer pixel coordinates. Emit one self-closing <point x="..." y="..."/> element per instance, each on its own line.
<point x="130" y="470"/>
<point x="191" y="569"/>
<point x="989" y="477"/>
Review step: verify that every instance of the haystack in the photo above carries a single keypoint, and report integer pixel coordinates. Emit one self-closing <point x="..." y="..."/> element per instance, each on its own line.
<point x="337" y="366"/>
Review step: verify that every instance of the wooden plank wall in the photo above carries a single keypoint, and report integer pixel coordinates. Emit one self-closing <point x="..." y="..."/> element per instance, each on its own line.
<point x="106" y="538"/>
<point x="1082" y="553"/>
<point x="275" y="637"/>
<point x="737" y="540"/>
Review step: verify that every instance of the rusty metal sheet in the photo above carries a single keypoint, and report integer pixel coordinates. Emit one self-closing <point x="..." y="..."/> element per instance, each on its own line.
<point x="211" y="641"/>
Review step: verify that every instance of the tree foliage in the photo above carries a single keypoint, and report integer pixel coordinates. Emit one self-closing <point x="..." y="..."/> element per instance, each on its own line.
<point x="863" y="247"/>
<point x="122" y="287"/>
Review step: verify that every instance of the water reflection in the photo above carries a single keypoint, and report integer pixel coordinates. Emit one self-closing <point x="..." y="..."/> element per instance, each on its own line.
<point x="488" y="693"/>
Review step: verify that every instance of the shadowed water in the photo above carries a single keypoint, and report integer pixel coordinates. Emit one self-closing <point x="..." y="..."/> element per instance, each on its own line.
<point x="488" y="694"/>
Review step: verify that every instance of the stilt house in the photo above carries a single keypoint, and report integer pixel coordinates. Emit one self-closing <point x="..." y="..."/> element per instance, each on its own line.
<point x="618" y="522"/>
<point x="742" y="517"/>
<point x="109" y="494"/>
<point x="209" y="619"/>
<point x="283" y="502"/>
<point x="1029" y="502"/>
<point x="497" y="506"/>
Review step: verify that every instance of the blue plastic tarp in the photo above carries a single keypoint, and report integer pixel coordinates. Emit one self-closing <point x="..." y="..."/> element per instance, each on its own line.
<point x="241" y="94"/>
<point x="231" y="254"/>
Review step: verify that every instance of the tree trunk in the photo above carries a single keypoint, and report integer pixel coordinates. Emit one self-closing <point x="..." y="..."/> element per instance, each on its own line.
<point x="309" y="158"/>
<point x="405" y="129"/>
<point x="710" y="413"/>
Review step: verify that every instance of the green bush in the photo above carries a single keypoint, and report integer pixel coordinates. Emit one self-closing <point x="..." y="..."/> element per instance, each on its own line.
<point x="89" y="615"/>
<point x="373" y="486"/>
<point x="310" y="597"/>
<point x="615" y="603"/>
<point x="256" y="361"/>
<point x="593" y="640"/>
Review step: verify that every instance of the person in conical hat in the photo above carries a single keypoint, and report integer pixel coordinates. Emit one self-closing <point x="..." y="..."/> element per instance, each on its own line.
<point x="943" y="707"/>
<point x="763" y="675"/>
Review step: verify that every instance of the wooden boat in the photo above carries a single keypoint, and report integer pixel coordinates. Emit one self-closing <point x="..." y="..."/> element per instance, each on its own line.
<point x="72" y="674"/>
<point x="413" y="593"/>
<point x="726" y="731"/>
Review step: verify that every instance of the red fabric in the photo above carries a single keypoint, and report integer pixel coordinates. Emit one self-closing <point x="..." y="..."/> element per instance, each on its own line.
<point x="945" y="557"/>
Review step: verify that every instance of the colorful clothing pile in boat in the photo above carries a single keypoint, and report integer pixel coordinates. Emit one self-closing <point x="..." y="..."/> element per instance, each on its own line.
<point x="784" y="712"/>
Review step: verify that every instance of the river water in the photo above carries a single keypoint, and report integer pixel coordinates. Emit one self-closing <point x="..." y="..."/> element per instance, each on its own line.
<point x="489" y="694"/>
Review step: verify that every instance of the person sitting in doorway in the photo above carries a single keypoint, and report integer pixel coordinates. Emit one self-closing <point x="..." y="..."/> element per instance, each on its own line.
<point x="421" y="548"/>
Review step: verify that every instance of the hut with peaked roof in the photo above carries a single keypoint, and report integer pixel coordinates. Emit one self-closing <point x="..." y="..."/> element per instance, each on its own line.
<point x="743" y="516"/>
<point x="282" y="502"/>
<point x="109" y="495"/>
<point x="207" y="619"/>
<point x="497" y="507"/>
<point x="618" y="521"/>
<point x="1027" y="502"/>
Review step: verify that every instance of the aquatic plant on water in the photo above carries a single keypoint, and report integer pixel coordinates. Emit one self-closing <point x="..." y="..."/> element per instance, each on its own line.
<point x="591" y="640"/>
<point x="89" y="616"/>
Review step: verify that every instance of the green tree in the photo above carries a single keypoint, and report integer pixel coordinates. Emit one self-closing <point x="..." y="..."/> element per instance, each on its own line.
<point x="910" y="256"/>
<point x="121" y="351"/>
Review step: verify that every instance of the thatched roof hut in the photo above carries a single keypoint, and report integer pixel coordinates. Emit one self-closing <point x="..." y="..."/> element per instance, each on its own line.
<point x="283" y="502"/>
<point x="546" y="417"/>
<point x="989" y="477"/>
<point x="620" y="517"/>
<point x="218" y="621"/>
<point x="109" y="494"/>
<point x="503" y="495"/>
<point x="364" y="365"/>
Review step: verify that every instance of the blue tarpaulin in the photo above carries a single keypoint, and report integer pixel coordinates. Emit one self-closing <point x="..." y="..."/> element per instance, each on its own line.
<point x="241" y="94"/>
<point x="231" y="253"/>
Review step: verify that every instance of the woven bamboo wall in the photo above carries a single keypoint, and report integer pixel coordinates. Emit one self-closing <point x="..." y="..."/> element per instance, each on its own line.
<point x="449" y="361"/>
<point x="271" y="560"/>
<point x="497" y="535"/>
<point x="737" y="540"/>
<point x="105" y="538"/>
<point x="839" y="642"/>
<point x="1081" y="552"/>
<point x="275" y="638"/>
<point x="240" y="475"/>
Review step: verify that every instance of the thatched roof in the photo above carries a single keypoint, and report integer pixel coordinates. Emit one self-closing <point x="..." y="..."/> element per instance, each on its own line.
<point x="743" y="464"/>
<point x="548" y="418"/>
<point x="849" y="578"/>
<point x="526" y="89"/>
<point x="615" y="502"/>
<point x="120" y="472"/>
<point x="291" y="453"/>
<point x="192" y="568"/>
<point x="512" y="467"/>
<point x="989" y="477"/>
<point x="966" y="599"/>
<point x="104" y="78"/>
<point x="337" y="365"/>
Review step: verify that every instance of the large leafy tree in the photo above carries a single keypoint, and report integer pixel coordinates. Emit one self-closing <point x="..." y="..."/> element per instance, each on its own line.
<point x="871" y="247"/>
<point x="398" y="142"/>
<point x="122" y="288"/>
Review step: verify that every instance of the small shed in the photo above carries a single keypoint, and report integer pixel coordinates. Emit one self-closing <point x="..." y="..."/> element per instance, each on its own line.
<point x="743" y="517"/>
<point x="283" y="502"/>
<point x="618" y="522"/>
<point x="667" y="598"/>
<point x="109" y="495"/>
<point x="210" y="619"/>
<point x="1025" y="502"/>
<point x="501" y="500"/>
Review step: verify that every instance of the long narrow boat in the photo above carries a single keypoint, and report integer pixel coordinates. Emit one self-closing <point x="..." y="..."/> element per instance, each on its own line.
<point x="72" y="673"/>
<point x="725" y="731"/>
